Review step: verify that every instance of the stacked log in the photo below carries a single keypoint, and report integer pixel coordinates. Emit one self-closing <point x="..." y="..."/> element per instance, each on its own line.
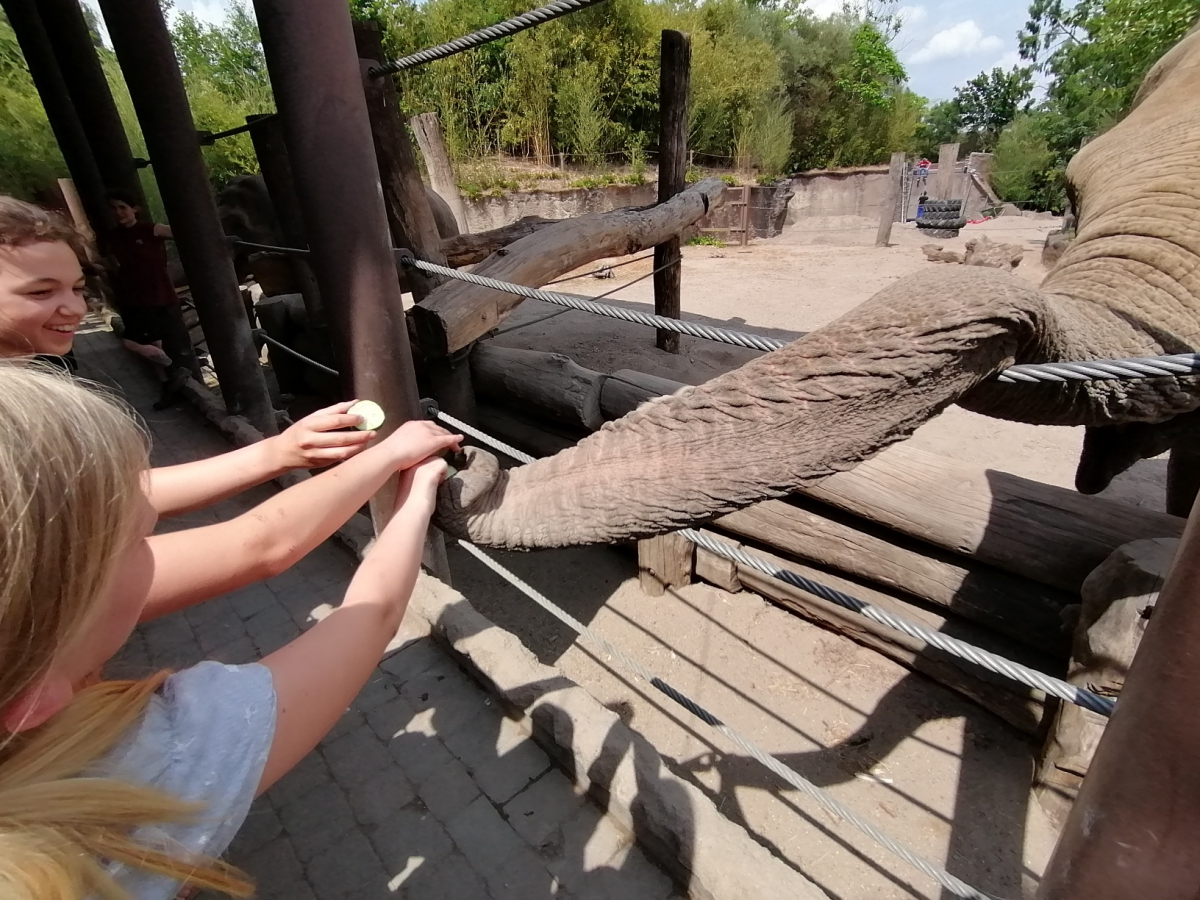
<point x="992" y="558"/>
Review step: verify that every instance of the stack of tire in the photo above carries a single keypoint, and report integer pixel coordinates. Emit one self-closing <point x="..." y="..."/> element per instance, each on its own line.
<point x="941" y="218"/>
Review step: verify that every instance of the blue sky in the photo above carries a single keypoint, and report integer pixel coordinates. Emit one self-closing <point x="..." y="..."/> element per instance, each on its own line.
<point x="943" y="43"/>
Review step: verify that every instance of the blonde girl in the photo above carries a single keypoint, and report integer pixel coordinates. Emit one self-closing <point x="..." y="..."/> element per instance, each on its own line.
<point x="129" y="788"/>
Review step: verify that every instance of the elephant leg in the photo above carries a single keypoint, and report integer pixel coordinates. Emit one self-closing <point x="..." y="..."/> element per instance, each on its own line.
<point x="1111" y="449"/>
<point x="820" y="405"/>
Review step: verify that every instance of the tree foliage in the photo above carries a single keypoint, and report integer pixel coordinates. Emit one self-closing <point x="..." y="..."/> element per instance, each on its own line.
<point x="991" y="100"/>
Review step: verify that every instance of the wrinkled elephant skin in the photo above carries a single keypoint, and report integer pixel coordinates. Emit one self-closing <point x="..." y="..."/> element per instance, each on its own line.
<point x="1128" y="286"/>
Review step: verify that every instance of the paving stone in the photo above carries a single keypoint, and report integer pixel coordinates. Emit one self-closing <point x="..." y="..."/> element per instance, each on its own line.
<point x="521" y="877"/>
<point x="285" y="581"/>
<point x="262" y="825"/>
<point x="274" y="864"/>
<point x="268" y="622"/>
<point x="584" y="843"/>
<point x="177" y="656"/>
<point x="217" y="632"/>
<point x="542" y="807"/>
<point x="283" y="890"/>
<point x="443" y="689"/>
<point x="409" y="833"/>
<point x="317" y="819"/>
<point x="355" y="757"/>
<point x="379" y="690"/>
<point x="236" y="653"/>
<point x="420" y="756"/>
<point x="451" y="878"/>
<point x="304" y="776"/>
<point x="448" y="790"/>
<point x="165" y="633"/>
<point x="485" y="838"/>
<point x="492" y="735"/>
<point x="216" y="608"/>
<point x="381" y="795"/>
<point x="251" y="600"/>
<point x="348" y="865"/>
<point x="412" y="660"/>
<point x="503" y="778"/>
<point x="350" y="720"/>
<point x="390" y="718"/>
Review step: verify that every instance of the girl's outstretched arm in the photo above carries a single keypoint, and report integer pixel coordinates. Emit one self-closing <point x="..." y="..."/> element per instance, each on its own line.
<point x="194" y="565"/>
<point x="313" y="441"/>
<point x="319" y="674"/>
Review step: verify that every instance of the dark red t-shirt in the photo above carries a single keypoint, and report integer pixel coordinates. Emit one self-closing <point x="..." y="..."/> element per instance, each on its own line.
<point x="141" y="279"/>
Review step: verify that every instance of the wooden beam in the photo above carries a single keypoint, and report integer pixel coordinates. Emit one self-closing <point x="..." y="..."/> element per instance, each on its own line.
<point x="1021" y="707"/>
<point x="674" y="78"/>
<point x="468" y="249"/>
<point x="437" y="162"/>
<point x="664" y="562"/>
<point x="1017" y="607"/>
<point x="543" y="383"/>
<point x="625" y="390"/>
<point x="887" y="215"/>
<point x="456" y="314"/>
<point x="943" y="185"/>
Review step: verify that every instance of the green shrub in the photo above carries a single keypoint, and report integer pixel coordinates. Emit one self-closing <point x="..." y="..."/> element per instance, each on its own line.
<point x="1023" y="169"/>
<point x="705" y="240"/>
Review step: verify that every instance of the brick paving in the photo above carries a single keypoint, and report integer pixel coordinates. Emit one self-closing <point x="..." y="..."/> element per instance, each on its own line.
<point x="424" y="790"/>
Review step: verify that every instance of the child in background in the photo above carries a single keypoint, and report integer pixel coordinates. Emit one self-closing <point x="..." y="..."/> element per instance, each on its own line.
<point x="95" y="799"/>
<point x="143" y="293"/>
<point x="41" y="308"/>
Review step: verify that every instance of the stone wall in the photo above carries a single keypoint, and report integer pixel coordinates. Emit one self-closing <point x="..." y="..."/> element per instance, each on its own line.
<point x="485" y="213"/>
<point x="860" y="191"/>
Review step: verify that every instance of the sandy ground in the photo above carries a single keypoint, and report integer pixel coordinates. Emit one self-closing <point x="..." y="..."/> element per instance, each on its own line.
<point x="926" y="766"/>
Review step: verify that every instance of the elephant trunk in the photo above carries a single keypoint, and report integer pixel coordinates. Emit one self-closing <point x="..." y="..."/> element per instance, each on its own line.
<point x="790" y="418"/>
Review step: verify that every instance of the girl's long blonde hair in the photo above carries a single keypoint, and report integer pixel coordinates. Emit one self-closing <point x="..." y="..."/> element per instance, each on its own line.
<point x="71" y="462"/>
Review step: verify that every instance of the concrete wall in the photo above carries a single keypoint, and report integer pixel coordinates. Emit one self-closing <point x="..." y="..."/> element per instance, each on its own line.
<point x="485" y="213"/>
<point x="859" y="191"/>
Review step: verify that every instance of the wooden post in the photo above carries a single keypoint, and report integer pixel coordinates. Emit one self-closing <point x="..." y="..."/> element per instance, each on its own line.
<point x="1133" y="829"/>
<point x="1183" y="481"/>
<point x="745" y="218"/>
<point x="51" y="85"/>
<point x="944" y="185"/>
<point x="676" y="62"/>
<point x="664" y="561"/>
<point x="147" y="57"/>
<point x="267" y="137"/>
<point x="891" y="207"/>
<point x="428" y="130"/>
<point x="84" y="76"/>
<point x="408" y="213"/>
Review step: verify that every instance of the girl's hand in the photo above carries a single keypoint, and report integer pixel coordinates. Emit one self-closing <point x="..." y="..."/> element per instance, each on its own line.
<point x="416" y="440"/>
<point x="316" y="441"/>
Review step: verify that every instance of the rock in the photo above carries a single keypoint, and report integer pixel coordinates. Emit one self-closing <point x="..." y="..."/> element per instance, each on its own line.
<point x="1118" y="598"/>
<point x="935" y="253"/>
<point x="983" y="252"/>
<point x="1056" y="244"/>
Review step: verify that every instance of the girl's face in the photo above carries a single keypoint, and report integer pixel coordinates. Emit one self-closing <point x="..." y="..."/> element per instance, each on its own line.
<point x="41" y="298"/>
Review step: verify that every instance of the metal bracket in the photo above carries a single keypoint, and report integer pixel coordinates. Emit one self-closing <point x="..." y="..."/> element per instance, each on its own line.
<point x="401" y="254"/>
<point x="429" y="408"/>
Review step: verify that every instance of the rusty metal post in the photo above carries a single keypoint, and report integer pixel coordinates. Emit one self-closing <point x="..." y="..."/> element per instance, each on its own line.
<point x="143" y="47"/>
<point x="1135" y="826"/>
<point x="674" y="77"/>
<point x="84" y="75"/>
<point x="318" y="87"/>
<point x="47" y="76"/>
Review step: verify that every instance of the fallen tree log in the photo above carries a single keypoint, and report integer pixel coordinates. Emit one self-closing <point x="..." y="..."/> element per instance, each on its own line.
<point x="625" y="390"/>
<point x="468" y="249"/>
<point x="1021" y="707"/>
<point x="547" y="383"/>
<point x="1016" y="607"/>
<point x="456" y="314"/>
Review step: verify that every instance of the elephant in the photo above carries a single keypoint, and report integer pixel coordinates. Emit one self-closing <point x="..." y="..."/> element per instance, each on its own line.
<point x="246" y="211"/>
<point x="1129" y="285"/>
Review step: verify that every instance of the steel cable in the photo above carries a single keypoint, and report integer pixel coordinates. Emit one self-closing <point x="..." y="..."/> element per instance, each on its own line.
<point x="789" y="776"/>
<point x="538" y="16"/>
<point x="1174" y="365"/>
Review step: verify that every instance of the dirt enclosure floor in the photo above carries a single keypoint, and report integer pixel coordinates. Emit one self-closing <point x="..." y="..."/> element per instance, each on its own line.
<point x="925" y="765"/>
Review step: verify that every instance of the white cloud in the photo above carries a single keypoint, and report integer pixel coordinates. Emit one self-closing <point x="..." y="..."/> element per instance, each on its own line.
<point x="1007" y="61"/>
<point x="912" y="15"/>
<point x="964" y="39"/>
<point x="823" y="9"/>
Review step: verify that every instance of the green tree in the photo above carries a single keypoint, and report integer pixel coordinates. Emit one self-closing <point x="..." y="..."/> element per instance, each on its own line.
<point x="941" y="124"/>
<point x="989" y="101"/>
